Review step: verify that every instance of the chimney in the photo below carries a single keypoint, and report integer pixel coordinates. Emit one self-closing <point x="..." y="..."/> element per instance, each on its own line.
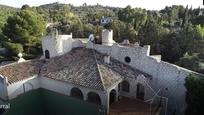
<point x="107" y="59"/>
<point x="107" y="37"/>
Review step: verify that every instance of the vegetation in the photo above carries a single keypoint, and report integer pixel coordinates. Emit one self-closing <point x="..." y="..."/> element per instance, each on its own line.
<point x="194" y="95"/>
<point x="176" y="32"/>
<point x="23" y="32"/>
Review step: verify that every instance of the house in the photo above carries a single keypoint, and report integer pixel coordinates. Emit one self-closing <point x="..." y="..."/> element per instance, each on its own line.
<point x="105" y="20"/>
<point x="98" y="73"/>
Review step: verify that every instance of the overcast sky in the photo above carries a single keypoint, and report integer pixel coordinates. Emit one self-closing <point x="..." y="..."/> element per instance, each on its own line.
<point x="147" y="4"/>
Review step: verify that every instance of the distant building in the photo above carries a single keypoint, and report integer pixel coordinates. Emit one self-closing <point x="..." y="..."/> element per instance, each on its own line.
<point x="105" y="20"/>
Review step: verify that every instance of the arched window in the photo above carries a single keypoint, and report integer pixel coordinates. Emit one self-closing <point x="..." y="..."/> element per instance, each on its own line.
<point x="125" y="86"/>
<point x="112" y="96"/>
<point x="76" y="92"/>
<point x="94" y="98"/>
<point x="140" y="91"/>
<point x="47" y="54"/>
<point x="127" y="59"/>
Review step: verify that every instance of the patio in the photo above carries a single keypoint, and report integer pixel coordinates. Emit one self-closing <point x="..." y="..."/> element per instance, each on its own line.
<point x="127" y="106"/>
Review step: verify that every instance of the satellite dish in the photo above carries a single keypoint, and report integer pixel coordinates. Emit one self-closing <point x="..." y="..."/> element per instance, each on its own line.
<point x="91" y="37"/>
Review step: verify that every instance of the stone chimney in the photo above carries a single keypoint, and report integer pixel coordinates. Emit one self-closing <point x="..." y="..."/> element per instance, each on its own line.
<point x="107" y="59"/>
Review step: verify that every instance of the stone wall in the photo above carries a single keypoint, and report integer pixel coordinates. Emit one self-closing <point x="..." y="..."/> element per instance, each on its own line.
<point x="169" y="78"/>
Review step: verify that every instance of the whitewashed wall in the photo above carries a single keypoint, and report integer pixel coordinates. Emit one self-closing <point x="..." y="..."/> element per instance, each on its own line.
<point x="65" y="88"/>
<point x="49" y="44"/>
<point x="19" y="87"/>
<point x="57" y="45"/>
<point x="169" y="78"/>
<point x="3" y="88"/>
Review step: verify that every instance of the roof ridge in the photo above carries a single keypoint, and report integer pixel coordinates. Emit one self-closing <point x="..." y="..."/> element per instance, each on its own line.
<point x="100" y="74"/>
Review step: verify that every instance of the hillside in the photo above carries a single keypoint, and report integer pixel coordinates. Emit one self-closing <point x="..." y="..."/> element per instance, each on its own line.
<point x="85" y="10"/>
<point x="175" y="32"/>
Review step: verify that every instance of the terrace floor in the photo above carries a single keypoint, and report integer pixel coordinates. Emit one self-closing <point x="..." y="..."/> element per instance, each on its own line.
<point x="127" y="106"/>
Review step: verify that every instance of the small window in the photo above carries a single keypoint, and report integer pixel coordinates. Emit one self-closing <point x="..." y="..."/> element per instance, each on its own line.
<point x="125" y="86"/>
<point x="47" y="54"/>
<point x="127" y="59"/>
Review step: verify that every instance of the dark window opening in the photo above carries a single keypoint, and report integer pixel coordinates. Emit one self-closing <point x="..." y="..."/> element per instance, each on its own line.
<point x="127" y="59"/>
<point x="140" y="91"/>
<point x="112" y="96"/>
<point x="125" y="86"/>
<point x="94" y="98"/>
<point x="75" y="92"/>
<point x="47" y="54"/>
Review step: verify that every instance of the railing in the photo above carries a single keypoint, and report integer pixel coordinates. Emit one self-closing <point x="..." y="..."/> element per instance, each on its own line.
<point x="157" y="101"/>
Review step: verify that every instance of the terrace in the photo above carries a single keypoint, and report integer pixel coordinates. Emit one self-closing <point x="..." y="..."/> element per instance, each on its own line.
<point x="127" y="106"/>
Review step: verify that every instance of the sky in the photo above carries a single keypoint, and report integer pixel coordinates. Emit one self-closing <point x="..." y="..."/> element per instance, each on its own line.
<point x="147" y="4"/>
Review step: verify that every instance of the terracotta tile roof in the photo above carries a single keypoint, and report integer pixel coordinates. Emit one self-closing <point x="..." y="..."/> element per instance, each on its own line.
<point x="20" y="71"/>
<point x="119" y="68"/>
<point x="81" y="66"/>
<point x="78" y="67"/>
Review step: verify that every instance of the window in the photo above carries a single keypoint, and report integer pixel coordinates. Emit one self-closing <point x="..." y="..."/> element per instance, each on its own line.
<point x="140" y="91"/>
<point x="47" y="54"/>
<point x="127" y="59"/>
<point x="125" y="86"/>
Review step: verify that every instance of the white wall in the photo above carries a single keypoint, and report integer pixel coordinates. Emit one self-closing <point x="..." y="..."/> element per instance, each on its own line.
<point x="49" y="44"/>
<point x="167" y="77"/>
<point x="3" y="89"/>
<point x="65" y="88"/>
<point x="17" y="88"/>
<point x="57" y="45"/>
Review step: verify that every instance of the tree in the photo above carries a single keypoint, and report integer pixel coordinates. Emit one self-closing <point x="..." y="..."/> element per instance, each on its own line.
<point x="194" y="95"/>
<point x="26" y="28"/>
<point x="193" y="62"/>
<point x="14" y="48"/>
<point x="151" y="34"/>
<point x="198" y="20"/>
<point x="137" y="17"/>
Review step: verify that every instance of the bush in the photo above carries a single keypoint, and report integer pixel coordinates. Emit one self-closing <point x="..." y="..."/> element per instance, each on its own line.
<point x="195" y="95"/>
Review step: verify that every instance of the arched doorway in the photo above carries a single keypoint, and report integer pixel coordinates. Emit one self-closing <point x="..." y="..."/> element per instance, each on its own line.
<point x="112" y="96"/>
<point x="76" y="92"/>
<point x="27" y="87"/>
<point x="94" y="98"/>
<point x="140" y="91"/>
<point x="47" y="54"/>
<point x="125" y="86"/>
